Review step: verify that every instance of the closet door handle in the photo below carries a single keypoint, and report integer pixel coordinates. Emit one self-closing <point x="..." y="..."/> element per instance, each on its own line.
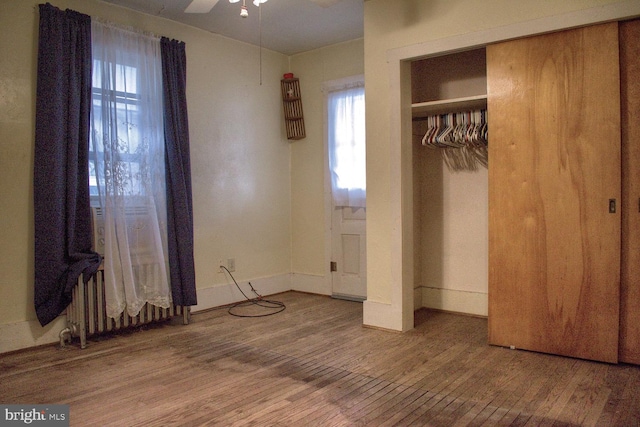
<point x="612" y="205"/>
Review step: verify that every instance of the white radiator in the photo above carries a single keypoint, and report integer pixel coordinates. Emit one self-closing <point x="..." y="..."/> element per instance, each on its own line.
<point x="86" y="315"/>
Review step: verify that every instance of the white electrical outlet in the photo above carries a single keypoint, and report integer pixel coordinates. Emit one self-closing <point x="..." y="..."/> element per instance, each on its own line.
<point x="221" y="264"/>
<point x="231" y="264"/>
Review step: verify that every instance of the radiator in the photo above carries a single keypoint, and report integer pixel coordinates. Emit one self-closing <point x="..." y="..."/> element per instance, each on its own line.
<point x="86" y="315"/>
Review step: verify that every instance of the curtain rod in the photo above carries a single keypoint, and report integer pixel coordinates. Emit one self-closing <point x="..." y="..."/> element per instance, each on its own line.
<point x="126" y="28"/>
<point x="116" y="25"/>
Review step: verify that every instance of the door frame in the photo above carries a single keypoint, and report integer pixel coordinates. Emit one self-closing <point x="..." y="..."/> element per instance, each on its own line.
<point x="397" y="313"/>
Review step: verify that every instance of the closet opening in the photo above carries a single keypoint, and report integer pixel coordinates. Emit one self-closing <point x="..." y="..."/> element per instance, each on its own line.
<point x="450" y="182"/>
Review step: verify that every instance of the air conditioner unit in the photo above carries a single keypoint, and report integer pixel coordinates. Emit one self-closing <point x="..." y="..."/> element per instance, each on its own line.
<point x="97" y="220"/>
<point x="141" y="239"/>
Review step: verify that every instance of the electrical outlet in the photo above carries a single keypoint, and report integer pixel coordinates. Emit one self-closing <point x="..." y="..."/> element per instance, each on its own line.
<point x="221" y="264"/>
<point x="231" y="264"/>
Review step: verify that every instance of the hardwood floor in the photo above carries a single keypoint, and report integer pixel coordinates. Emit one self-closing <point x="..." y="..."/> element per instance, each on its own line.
<point x="315" y="365"/>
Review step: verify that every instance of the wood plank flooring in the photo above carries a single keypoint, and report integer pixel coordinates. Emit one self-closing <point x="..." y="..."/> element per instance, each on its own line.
<point x="314" y="364"/>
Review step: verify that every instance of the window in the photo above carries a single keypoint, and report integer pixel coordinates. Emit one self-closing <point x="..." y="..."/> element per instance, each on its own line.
<point x="346" y="137"/>
<point x="127" y="167"/>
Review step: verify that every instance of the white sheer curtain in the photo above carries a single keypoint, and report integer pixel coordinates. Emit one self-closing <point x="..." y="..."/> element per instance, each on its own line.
<point x="127" y="145"/>
<point x="347" y="142"/>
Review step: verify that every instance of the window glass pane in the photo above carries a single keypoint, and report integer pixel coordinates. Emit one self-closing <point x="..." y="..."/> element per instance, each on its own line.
<point x="347" y="146"/>
<point x="349" y="139"/>
<point x="126" y="122"/>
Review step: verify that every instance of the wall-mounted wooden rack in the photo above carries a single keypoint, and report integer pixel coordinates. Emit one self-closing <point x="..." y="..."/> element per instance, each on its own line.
<point x="292" y="102"/>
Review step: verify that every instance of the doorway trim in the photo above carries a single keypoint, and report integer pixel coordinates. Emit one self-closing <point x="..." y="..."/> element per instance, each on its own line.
<point x="398" y="314"/>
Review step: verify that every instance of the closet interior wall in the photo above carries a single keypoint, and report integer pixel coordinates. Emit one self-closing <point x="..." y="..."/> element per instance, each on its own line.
<point x="450" y="208"/>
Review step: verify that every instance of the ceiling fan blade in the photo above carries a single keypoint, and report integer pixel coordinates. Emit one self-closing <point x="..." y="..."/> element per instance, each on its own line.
<point x="200" y="6"/>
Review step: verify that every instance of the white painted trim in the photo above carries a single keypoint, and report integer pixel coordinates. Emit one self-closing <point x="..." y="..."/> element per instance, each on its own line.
<point x="401" y="197"/>
<point x="417" y="298"/>
<point x="328" y="204"/>
<point x="465" y="302"/>
<point x="342" y="84"/>
<point x="310" y="283"/>
<point x="595" y="15"/>
<point x="381" y="315"/>
<point x="400" y="140"/>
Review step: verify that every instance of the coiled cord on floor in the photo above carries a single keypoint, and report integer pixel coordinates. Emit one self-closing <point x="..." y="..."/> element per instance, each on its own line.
<point x="259" y="300"/>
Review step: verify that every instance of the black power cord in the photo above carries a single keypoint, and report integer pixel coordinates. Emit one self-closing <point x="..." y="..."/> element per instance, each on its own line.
<point x="259" y="300"/>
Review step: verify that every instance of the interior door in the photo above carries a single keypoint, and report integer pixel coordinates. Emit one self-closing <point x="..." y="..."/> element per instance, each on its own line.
<point x="554" y="190"/>
<point x="348" y="239"/>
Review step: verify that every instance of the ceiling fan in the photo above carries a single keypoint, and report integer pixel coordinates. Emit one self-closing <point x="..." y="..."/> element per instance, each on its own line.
<point x="205" y="6"/>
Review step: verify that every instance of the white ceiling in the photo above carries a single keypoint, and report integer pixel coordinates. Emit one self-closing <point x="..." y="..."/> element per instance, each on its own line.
<point x="288" y="26"/>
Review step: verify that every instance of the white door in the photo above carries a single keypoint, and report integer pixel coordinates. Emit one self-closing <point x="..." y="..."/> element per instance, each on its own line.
<point x="345" y="160"/>
<point x="349" y="257"/>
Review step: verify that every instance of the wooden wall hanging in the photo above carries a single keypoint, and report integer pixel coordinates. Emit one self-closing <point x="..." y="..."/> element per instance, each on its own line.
<point x="292" y="102"/>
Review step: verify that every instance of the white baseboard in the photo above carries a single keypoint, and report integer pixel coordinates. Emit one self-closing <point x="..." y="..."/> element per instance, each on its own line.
<point x="474" y="303"/>
<point x="381" y="315"/>
<point x="216" y="296"/>
<point x="417" y="298"/>
<point x="29" y="333"/>
<point x="20" y="335"/>
<point x="16" y="336"/>
<point x="310" y="283"/>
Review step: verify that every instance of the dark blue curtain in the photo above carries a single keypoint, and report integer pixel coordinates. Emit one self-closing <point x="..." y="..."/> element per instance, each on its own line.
<point x="61" y="178"/>
<point x="178" y="172"/>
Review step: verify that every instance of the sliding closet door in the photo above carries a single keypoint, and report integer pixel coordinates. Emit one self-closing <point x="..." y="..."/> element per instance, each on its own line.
<point x="554" y="246"/>
<point x="630" y="266"/>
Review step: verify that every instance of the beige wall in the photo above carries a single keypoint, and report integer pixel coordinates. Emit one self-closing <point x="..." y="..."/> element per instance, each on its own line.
<point x="307" y="156"/>
<point x="239" y="152"/>
<point x="392" y="25"/>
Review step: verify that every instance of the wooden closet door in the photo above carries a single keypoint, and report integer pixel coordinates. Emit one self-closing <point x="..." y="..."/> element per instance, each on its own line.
<point x="630" y="119"/>
<point x="554" y="164"/>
